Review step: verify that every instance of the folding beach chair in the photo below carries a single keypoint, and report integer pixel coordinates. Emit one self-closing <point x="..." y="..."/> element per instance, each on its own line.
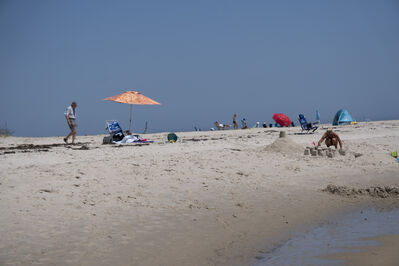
<point x="115" y="130"/>
<point x="308" y="127"/>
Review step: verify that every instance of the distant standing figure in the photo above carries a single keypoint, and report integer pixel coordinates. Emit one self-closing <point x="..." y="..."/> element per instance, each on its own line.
<point x="264" y="125"/>
<point x="244" y="124"/>
<point x="331" y="138"/>
<point x="235" y="125"/>
<point x="70" y="115"/>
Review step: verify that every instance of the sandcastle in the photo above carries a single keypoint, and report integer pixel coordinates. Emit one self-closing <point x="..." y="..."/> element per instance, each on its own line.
<point x="321" y="152"/>
<point x="284" y="145"/>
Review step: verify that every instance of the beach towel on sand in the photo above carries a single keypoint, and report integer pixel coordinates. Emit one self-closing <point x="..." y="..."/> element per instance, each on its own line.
<point x="132" y="139"/>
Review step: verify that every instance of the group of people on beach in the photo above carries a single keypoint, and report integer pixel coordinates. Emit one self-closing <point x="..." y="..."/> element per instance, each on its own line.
<point x="244" y="124"/>
<point x="221" y="126"/>
<point x="329" y="137"/>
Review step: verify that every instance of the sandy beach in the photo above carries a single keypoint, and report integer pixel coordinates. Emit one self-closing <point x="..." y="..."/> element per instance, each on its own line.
<point x="212" y="198"/>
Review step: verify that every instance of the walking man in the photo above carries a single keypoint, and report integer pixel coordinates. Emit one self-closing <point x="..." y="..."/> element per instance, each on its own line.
<point x="70" y="115"/>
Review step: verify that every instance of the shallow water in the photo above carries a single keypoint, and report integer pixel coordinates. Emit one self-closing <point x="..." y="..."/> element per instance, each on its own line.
<point x="338" y="236"/>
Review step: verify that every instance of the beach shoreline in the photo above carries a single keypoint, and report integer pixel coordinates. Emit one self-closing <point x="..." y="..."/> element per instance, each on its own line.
<point x="383" y="253"/>
<point x="212" y="198"/>
<point x="349" y="235"/>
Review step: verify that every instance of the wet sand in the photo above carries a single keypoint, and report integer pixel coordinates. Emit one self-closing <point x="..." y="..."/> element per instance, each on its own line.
<point x="340" y="238"/>
<point x="386" y="253"/>
<point x="212" y="198"/>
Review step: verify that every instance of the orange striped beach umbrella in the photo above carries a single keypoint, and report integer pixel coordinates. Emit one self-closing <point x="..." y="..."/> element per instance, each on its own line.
<point x="132" y="97"/>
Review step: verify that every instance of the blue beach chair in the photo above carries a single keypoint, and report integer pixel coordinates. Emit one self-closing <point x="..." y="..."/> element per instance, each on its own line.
<point x="114" y="130"/>
<point x="308" y="127"/>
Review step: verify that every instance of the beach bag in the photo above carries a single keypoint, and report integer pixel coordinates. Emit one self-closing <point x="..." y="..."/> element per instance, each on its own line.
<point x="117" y="136"/>
<point x="107" y="140"/>
<point x="172" y="137"/>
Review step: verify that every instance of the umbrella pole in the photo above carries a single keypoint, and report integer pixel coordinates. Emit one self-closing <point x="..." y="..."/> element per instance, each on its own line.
<point x="130" y="120"/>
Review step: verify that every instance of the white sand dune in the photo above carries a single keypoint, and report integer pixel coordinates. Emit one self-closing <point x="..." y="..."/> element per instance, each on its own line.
<point x="212" y="198"/>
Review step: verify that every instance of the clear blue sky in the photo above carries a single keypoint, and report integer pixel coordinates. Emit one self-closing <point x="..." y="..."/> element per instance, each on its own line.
<point x="203" y="60"/>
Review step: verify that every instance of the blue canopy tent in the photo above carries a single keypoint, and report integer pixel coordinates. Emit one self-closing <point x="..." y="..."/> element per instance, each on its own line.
<point x="342" y="117"/>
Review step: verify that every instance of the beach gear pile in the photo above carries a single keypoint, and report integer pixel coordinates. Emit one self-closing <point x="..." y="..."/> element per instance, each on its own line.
<point x="117" y="136"/>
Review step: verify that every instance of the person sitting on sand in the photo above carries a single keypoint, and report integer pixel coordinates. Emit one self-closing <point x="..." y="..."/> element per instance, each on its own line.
<point x="70" y="115"/>
<point x="244" y="124"/>
<point x="235" y="125"/>
<point x="331" y="138"/>
<point x="220" y="126"/>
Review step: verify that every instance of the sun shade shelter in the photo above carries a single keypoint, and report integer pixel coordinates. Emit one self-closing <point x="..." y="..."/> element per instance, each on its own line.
<point x="282" y="120"/>
<point x="342" y="117"/>
<point x="132" y="97"/>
